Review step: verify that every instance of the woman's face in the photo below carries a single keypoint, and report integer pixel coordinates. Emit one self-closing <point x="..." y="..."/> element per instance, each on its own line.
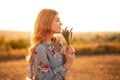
<point x="56" y="25"/>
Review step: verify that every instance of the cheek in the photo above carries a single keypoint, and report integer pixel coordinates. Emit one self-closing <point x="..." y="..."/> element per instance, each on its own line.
<point x="55" y="24"/>
<point x="55" y="27"/>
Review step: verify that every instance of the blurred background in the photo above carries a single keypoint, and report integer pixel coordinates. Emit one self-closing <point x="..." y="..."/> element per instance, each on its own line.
<point x="96" y="36"/>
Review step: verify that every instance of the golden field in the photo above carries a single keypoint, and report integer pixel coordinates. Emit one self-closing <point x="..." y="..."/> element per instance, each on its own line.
<point x="102" y="67"/>
<point x="98" y="56"/>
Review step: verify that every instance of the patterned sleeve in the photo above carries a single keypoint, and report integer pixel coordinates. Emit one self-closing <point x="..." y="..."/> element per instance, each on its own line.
<point x="43" y="70"/>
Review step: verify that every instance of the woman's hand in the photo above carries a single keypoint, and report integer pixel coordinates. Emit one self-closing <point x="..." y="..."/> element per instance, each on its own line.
<point x="69" y="55"/>
<point x="69" y="50"/>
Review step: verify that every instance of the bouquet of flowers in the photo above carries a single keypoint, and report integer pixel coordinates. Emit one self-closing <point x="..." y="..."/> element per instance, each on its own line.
<point x="67" y="34"/>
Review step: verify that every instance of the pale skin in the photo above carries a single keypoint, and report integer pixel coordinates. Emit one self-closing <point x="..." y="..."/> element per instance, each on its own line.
<point x="69" y="50"/>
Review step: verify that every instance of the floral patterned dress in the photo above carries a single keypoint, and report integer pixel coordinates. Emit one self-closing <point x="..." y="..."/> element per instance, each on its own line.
<point x="48" y="63"/>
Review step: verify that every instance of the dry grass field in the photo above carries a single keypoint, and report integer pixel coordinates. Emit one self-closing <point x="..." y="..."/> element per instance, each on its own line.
<point x="99" y="67"/>
<point x="95" y="66"/>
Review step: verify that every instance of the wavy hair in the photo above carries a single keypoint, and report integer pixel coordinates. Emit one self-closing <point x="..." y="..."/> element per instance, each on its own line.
<point x="42" y="29"/>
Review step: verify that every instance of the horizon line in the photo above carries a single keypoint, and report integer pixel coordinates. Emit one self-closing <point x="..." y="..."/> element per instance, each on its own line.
<point x="73" y="31"/>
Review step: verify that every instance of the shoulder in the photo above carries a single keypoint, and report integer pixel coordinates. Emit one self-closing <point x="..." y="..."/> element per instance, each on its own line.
<point x="40" y="47"/>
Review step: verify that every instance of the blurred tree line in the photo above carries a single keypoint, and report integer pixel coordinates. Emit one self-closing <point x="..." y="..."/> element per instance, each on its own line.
<point x="13" y="49"/>
<point x="96" y="38"/>
<point x="97" y="44"/>
<point x="24" y="43"/>
<point x="14" y="44"/>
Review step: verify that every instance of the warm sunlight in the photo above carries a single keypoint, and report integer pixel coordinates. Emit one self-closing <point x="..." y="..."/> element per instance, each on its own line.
<point x="83" y="16"/>
<point x="89" y="51"/>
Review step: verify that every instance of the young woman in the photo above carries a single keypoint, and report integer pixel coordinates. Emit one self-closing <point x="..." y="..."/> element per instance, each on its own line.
<point x="47" y="59"/>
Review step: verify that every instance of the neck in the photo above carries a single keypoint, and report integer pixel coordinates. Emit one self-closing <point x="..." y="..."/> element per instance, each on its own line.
<point x="48" y="40"/>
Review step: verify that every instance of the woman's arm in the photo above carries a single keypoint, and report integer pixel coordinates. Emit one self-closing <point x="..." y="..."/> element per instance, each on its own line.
<point x="42" y="66"/>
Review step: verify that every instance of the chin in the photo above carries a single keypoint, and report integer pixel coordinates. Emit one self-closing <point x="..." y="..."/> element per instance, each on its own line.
<point x="58" y="32"/>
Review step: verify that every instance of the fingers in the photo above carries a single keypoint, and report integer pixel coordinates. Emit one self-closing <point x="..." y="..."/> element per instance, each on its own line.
<point x="70" y="50"/>
<point x="71" y="55"/>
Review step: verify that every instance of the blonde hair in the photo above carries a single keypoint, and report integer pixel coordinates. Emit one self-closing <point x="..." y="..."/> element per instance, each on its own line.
<point x="42" y="29"/>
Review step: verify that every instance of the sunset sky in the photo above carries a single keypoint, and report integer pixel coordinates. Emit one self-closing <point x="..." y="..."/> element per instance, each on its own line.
<point x="82" y="15"/>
